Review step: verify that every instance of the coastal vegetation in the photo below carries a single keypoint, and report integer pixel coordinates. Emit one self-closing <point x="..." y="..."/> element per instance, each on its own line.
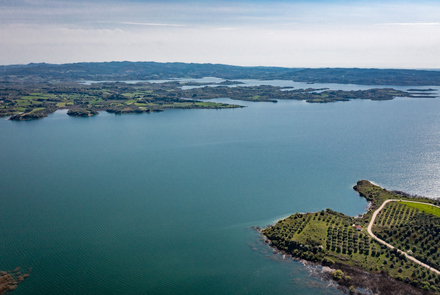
<point x="273" y="93"/>
<point x="82" y="112"/>
<point x="26" y="101"/>
<point x="342" y="242"/>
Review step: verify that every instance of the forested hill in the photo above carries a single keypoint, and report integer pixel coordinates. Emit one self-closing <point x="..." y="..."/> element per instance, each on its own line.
<point x="152" y="70"/>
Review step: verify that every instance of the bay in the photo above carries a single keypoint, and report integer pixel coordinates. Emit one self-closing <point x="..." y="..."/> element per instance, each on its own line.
<point x="163" y="203"/>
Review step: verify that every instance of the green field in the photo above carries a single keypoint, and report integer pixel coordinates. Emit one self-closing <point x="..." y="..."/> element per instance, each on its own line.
<point x="37" y="110"/>
<point x="26" y="102"/>
<point x="424" y="207"/>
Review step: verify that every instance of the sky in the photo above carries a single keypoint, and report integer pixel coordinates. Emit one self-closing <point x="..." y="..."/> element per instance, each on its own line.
<point x="356" y="33"/>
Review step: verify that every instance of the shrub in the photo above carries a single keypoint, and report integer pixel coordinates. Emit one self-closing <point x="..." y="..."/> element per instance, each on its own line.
<point x="338" y="275"/>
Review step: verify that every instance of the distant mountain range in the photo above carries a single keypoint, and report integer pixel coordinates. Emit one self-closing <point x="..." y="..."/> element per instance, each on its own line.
<point x="119" y="71"/>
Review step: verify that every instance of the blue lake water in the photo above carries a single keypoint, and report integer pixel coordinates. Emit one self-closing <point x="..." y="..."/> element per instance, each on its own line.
<point x="163" y="203"/>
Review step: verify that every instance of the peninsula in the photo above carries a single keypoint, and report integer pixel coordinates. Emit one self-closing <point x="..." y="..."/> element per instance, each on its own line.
<point x="392" y="248"/>
<point x="26" y="101"/>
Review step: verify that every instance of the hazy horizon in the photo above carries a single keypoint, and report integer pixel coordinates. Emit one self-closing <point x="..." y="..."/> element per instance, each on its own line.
<point x="269" y="66"/>
<point x="296" y="34"/>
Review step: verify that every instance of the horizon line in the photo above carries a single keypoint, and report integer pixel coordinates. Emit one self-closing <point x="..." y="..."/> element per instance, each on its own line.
<point x="209" y="63"/>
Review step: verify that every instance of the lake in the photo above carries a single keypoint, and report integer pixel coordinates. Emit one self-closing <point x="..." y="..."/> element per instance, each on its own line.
<point x="163" y="203"/>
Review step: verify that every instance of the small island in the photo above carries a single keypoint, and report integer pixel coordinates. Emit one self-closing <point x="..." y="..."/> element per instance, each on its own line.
<point x="82" y="112"/>
<point x="392" y="248"/>
<point x="10" y="279"/>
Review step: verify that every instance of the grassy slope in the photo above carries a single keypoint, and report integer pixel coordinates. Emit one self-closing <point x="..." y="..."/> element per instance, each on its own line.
<point x="425" y="208"/>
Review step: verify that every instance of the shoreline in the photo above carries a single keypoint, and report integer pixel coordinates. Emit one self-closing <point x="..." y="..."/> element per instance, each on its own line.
<point x="308" y="237"/>
<point x="360" y="279"/>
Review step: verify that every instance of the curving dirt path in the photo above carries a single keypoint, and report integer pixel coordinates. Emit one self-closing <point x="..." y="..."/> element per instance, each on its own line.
<point x="370" y="226"/>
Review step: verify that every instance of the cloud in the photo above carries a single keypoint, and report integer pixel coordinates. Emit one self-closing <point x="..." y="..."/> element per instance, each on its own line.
<point x="150" y="24"/>
<point x="296" y="34"/>
<point x="225" y="29"/>
<point x="410" y="24"/>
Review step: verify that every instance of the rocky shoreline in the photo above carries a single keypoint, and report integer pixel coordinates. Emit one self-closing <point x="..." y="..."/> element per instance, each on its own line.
<point x="363" y="282"/>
